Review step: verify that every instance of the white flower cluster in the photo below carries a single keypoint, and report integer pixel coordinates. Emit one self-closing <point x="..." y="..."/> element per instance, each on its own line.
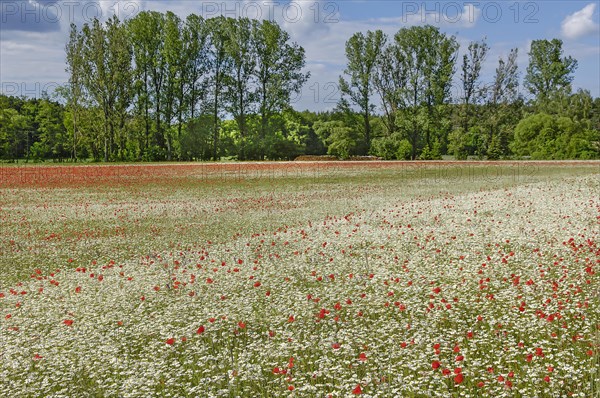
<point x="491" y="293"/>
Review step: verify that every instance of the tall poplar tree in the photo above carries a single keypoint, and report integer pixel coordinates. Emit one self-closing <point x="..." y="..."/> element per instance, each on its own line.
<point x="362" y="53"/>
<point x="278" y="71"/>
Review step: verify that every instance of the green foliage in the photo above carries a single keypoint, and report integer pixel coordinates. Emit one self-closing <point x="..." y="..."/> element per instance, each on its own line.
<point x="278" y="73"/>
<point x="471" y="143"/>
<point x="159" y="87"/>
<point x="428" y="58"/>
<point x="53" y="141"/>
<point x="471" y="69"/>
<point x="548" y="72"/>
<point x="391" y="147"/>
<point x="342" y="141"/>
<point x="362" y="52"/>
<point x="432" y="152"/>
<point x="106" y="54"/>
<point x="458" y="144"/>
<point x="14" y="128"/>
<point x="152" y="76"/>
<point x="544" y="136"/>
<point x="494" y="150"/>
<point x="404" y="150"/>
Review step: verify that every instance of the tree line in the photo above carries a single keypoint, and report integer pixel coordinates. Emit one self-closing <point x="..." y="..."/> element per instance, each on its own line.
<point x="410" y="78"/>
<point x="156" y="87"/>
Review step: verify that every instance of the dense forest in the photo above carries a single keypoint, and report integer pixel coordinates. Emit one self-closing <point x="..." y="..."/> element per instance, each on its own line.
<point x="156" y="87"/>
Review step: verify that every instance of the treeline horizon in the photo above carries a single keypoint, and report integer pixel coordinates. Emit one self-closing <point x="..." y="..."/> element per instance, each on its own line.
<point x="158" y="87"/>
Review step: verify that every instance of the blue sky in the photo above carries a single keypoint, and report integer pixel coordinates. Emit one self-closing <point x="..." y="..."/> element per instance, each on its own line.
<point x="33" y="33"/>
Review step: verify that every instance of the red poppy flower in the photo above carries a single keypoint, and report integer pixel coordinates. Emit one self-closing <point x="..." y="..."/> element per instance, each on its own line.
<point x="362" y="357"/>
<point x="357" y="390"/>
<point x="170" y="341"/>
<point x="458" y="378"/>
<point x="539" y="352"/>
<point x="435" y="364"/>
<point x="200" y="330"/>
<point x="68" y="322"/>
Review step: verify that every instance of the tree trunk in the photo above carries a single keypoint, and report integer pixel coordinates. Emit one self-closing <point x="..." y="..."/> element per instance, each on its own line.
<point x="147" y="115"/>
<point x="367" y="132"/>
<point x="74" y="136"/>
<point x="215" y="122"/>
<point x="105" y="149"/>
<point x="263" y="120"/>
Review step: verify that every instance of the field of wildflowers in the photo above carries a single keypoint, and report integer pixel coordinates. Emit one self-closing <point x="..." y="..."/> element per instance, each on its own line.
<point x="319" y="280"/>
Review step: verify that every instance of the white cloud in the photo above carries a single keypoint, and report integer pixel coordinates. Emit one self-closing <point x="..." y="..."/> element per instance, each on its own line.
<point x="442" y="14"/>
<point x="123" y="10"/>
<point x="580" y="23"/>
<point x="306" y="18"/>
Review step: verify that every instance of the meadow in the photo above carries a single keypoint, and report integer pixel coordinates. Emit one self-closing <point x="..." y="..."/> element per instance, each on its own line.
<point x="380" y="279"/>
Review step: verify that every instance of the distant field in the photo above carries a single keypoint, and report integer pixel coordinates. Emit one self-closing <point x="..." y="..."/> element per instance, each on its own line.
<point x="303" y="279"/>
